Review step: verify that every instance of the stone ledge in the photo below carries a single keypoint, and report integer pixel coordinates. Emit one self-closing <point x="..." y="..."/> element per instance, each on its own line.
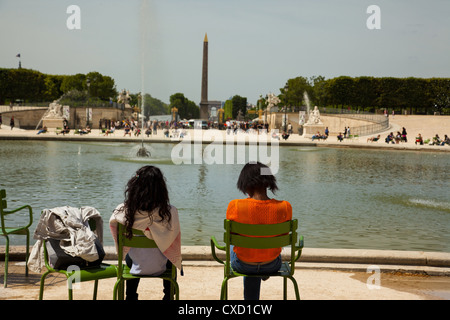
<point x="315" y="255"/>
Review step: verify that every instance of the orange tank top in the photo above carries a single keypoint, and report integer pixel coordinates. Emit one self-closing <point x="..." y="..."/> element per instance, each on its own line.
<point x="253" y="211"/>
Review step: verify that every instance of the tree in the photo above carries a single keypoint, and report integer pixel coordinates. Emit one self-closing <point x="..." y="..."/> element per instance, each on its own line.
<point x="295" y="93"/>
<point x="186" y="109"/>
<point x="365" y="92"/>
<point x="52" y="89"/>
<point x="153" y="106"/>
<point x="23" y="84"/>
<point x="239" y="104"/>
<point x="74" y="82"/>
<point x="101" y="86"/>
<point x="439" y="93"/>
<point x="389" y="96"/>
<point x="228" y="109"/>
<point x="319" y="94"/>
<point x="34" y="86"/>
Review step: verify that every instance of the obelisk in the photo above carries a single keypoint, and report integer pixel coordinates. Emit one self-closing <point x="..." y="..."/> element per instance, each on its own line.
<point x="204" y="114"/>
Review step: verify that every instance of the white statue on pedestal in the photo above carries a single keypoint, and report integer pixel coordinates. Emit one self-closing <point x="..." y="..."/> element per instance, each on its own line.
<point x="314" y="116"/>
<point x="272" y="100"/>
<point x="54" y="111"/>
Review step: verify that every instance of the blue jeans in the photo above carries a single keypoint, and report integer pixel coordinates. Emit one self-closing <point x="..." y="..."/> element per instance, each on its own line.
<point x="252" y="285"/>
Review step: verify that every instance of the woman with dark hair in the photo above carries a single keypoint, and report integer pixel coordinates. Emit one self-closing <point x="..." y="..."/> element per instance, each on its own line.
<point x="254" y="180"/>
<point x="147" y="208"/>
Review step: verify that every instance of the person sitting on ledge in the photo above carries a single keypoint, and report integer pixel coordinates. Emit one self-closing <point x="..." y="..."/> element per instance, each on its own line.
<point x="285" y="136"/>
<point x="148" y="132"/>
<point x="275" y="135"/>
<point x="43" y="130"/>
<point x="254" y="180"/>
<point x="85" y="131"/>
<point x="64" y="131"/>
<point x="419" y="139"/>
<point x="109" y="131"/>
<point x="340" y="137"/>
<point x="446" y="140"/>
<point x="373" y="139"/>
<point x="398" y="137"/>
<point x="436" y="140"/>
<point x="319" y="136"/>
<point x="390" y="138"/>
<point x="127" y="130"/>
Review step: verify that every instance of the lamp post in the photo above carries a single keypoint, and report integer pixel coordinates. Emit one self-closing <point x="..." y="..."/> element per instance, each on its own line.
<point x="88" y="84"/>
<point x="286" y="87"/>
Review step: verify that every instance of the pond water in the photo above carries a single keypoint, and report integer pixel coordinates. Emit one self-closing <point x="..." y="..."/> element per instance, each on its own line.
<point x="343" y="198"/>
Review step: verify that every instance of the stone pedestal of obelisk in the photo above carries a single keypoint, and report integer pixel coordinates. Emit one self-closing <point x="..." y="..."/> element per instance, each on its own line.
<point x="204" y="113"/>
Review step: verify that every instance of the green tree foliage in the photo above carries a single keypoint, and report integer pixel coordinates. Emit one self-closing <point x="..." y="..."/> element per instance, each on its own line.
<point x="74" y="82"/>
<point x="292" y="94"/>
<point x="439" y="93"/>
<point x="187" y="109"/>
<point x="101" y="86"/>
<point x="228" y="109"/>
<point x="239" y="104"/>
<point x="416" y="95"/>
<point x="34" y="86"/>
<point x="52" y="89"/>
<point x="153" y="106"/>
<point x="23" y="84"/>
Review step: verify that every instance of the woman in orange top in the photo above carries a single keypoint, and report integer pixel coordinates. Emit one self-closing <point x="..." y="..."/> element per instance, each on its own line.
<point x="254" y="180"/>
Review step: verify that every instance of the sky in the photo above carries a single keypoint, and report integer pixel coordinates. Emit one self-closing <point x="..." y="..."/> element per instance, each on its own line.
<point x="255" y="46"/>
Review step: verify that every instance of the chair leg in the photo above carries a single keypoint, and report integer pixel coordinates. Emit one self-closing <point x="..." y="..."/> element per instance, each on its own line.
<point x="95" y="290"/>
<point x="174" y="289"/>
<point x="284" y="288"/>
<point x="115" y="291"/>
<point x="41" y="288"/>
<point x="69" y="286"/>
<point x="294" y="282"/>
<point x="27" y="253"/>
<point x="119" y="290"/>
<point x="224" y="290"/>
<point x="5" y="277"/>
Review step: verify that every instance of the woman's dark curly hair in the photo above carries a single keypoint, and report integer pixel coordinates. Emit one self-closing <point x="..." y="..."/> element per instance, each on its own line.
<point x="146" y="191"/>
<point x="256" y="175"/>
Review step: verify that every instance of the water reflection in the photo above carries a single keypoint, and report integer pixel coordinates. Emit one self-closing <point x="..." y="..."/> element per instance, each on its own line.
<point x="343" y="198"/>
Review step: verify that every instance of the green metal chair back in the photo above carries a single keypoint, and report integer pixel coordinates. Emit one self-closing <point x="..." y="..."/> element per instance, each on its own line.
<point x="5" y="231"/>
<point x="262" y="236"/>
<point x="78" y="274"/>
<point x="138" y="240"/>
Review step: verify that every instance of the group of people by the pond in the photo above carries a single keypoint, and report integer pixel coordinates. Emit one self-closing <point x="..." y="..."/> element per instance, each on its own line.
<point x="178" y="131"/>
<point x="402" y="137"/>
<point x="397" y="138"/>
<point x="435" y="141"/>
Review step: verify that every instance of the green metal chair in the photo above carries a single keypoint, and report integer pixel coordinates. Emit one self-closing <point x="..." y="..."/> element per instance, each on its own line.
<point x="75" y="274"/>
<point x="6" y="231"/>
<point x="259" y="237"/>
<point x="139" y="240"/>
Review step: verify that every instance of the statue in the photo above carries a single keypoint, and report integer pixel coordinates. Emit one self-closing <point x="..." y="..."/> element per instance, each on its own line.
<point x="124" y="97"/>
<point x="54" y="115"/>
<point x="272" y="100"/>
<point x="239" y="116"/>
<point x="54" y="111"/>
<point x="314" y="116"/>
